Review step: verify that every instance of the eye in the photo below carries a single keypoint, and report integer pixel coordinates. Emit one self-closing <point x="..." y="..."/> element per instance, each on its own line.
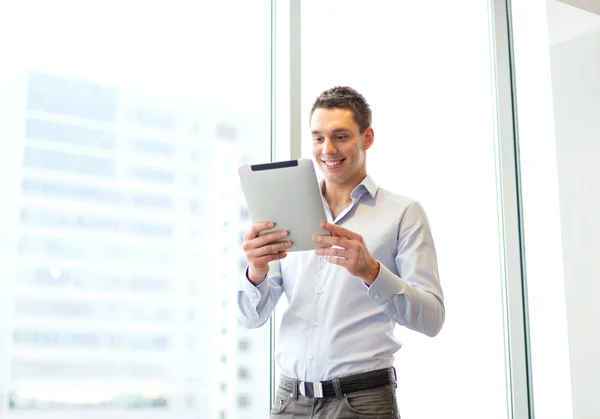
<point x="318" y="139"/>
<point x="341" y="137"/>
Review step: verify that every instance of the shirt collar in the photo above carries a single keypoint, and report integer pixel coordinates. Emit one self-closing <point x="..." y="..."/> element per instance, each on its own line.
<point x="367" y="185"/>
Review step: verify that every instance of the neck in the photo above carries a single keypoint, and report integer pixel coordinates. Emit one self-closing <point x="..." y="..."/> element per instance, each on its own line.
<point x="338" y="195"/>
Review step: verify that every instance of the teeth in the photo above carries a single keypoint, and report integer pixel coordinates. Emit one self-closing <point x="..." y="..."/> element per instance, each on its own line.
<point x="333" y="163"/>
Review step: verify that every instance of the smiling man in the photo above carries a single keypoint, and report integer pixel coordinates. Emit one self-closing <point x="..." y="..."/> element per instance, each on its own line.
<point x="377" y="269"/>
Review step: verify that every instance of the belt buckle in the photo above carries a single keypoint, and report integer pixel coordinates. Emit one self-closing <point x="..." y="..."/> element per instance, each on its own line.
<point x="309" y="389"/>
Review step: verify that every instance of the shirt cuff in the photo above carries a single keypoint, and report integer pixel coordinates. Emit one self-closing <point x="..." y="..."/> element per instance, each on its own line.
<point x="385" y="286"/>
<point x="256" y="293"/>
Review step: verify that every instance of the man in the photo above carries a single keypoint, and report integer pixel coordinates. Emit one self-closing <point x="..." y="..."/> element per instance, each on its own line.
<point x="377" y="268"/>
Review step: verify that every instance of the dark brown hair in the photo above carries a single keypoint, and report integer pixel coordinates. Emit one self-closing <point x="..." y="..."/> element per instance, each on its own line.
<point x="343" y="97"/>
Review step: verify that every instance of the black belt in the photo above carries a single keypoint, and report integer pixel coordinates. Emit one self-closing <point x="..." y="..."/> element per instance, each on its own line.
<point x="349" y="384"/>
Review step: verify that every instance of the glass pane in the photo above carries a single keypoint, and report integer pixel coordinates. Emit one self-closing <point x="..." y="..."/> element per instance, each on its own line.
<point x="557" y="47"/>
<point x="427" y="77"/>
<point x="122" y="125"/>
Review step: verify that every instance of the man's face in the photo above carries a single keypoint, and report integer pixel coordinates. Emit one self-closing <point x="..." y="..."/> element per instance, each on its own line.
<point x="338" y="147"/>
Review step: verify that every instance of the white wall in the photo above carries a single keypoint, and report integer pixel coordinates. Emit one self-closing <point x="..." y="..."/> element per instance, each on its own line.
<point x="576" y="87"/>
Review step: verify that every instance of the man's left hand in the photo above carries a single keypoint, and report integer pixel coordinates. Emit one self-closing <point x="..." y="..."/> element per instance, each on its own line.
<point x="352" y="252"/>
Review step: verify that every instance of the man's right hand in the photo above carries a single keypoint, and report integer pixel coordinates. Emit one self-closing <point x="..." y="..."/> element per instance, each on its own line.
<point x="260" y="250"/>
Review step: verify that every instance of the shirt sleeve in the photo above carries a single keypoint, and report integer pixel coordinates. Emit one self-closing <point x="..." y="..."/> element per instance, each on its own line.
<point x="415" y="298"/>
<point x="256" y="303"/>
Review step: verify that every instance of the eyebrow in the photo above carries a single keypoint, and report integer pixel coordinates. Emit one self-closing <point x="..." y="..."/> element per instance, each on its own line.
<point x="333" y="131"/>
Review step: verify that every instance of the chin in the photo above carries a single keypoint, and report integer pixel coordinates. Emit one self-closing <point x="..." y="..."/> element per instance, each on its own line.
<point x="335" y="178"/>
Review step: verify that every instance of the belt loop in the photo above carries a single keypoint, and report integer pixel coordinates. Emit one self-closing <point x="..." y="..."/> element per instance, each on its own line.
<point x="395" y="378"/>
<point x="337" y="387"/>
<point x="295" y="390"/>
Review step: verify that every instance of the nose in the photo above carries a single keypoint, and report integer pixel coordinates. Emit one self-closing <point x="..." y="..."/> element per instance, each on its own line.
<point x="329" y="146"/>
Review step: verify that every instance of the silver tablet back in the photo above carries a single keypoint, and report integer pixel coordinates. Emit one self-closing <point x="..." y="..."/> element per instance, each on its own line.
<point x="287" y="193"/>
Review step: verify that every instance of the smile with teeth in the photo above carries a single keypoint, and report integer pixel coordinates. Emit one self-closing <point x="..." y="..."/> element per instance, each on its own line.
<point x="333" y="163"/>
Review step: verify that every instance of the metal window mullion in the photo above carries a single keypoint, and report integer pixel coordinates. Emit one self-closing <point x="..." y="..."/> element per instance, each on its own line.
<point x="295" y="79"/>
<point x="285" y="140"/>
<point x="517" y="345"/>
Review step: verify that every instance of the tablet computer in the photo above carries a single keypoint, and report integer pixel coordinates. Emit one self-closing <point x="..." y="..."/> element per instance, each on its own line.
<point x="288" y="194"/>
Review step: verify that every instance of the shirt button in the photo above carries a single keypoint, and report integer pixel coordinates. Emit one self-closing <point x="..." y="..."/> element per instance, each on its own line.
<point x="311" y="357"/>
<point x="320" y="291"/>
<point x="376" y="296"/>
<point x="315" y="323"/>
<point x="323" y="259"/>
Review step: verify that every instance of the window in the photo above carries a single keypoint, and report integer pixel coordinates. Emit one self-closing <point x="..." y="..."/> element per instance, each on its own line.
<point x="76" y="279"/>
<point x="69" y="134"/>
<point x="154" y="147"/>
<point x="63" y="96"/>
<point x="435" y="141"/>
<point x="72" y="191"/>
<point x="155" y="229"/>
<point x="243" y="401"/>
<point x="23" y="369"/>
<point x="244" y="345"/>
<point x="85" y="309"/>
<point x="153" y="201"/>
<point x="155" y="118"/>
<point x="557" y="65"/>
<point x="38" y="400"/>
<point x="49" y="217"/>
<point x="68" y="162"/>
<point x="153" y="175"/>
<point x="75" y="249"/>
<point x="111" y="141"/>
<point x="66" y="219"/>
<point x="226" y="132"/>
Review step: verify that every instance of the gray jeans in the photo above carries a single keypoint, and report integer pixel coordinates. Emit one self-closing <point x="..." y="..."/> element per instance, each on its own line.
<point x="378" y="402"/>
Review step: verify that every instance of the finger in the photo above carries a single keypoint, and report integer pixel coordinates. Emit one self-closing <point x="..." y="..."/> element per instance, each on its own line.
<point x="263" y="240"/>
<point x="270" y="258"/>
<point x="256" y="228"/>
<point x="268" y="238"/>
<point x="331" y="251"/>
<point x="332" y="241"/>
<point x="340" y="231"/>
<point x="270" y="249"/>
<point x="338" y="261"/>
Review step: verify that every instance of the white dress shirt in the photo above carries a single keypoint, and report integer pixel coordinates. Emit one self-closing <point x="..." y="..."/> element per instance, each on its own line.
<point x="335" y="325"/>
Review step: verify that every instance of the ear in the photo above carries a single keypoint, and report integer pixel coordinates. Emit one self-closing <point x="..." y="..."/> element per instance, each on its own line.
<point x="369" y="138"/>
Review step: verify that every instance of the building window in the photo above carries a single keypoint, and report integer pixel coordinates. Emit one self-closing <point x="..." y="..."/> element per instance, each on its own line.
<point x="68" y="162"/>
<point x="243" y="401"/>
<point x="155" y="118"/>
<point x="153" y="175"/>
<point x="62" y="190"/>
<point x="153" y="147"/>
<point x="67" y="97"/>
<point x="243" y="373"/>
<point x="244" y="345"/>
<point x="152" y="201"/>
<point x="226" y="132"/>
<point x="69" y="134"/>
